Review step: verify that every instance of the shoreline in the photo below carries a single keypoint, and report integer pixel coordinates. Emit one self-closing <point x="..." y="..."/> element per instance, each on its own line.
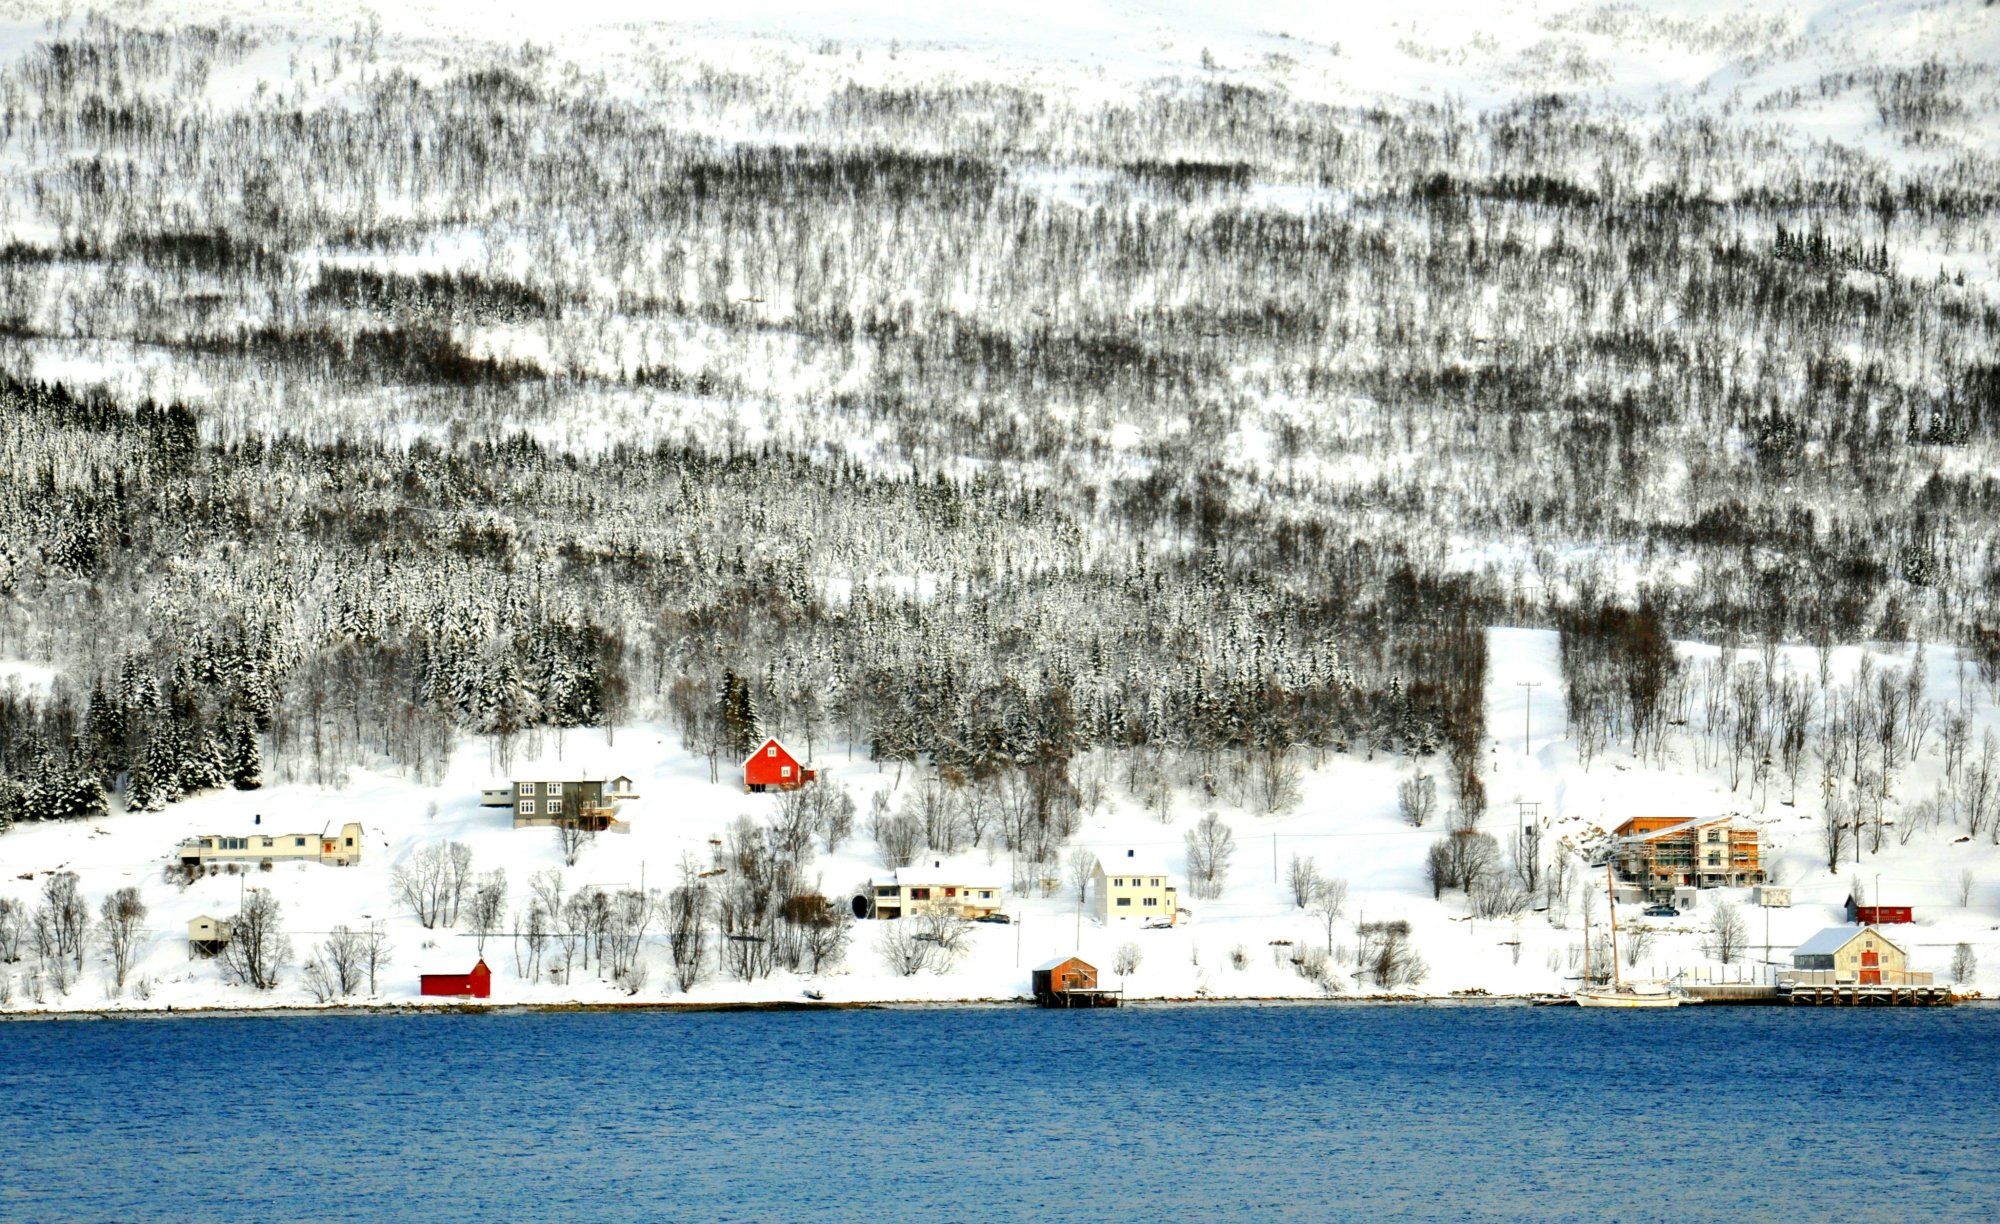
<point x="413" y="1008"/>
<point x="419" y="1008"/>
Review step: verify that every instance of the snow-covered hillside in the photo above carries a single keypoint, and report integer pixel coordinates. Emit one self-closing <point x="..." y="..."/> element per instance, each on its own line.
<point x="1346" y="821"/>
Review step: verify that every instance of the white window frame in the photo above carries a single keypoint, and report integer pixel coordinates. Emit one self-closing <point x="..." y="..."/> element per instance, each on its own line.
<point x="784" y="771"/>
<point x="527" y="807"/>
<point x="555" y="788"/>
<point x="527" y="788"/>
<point x="771" y="750"/>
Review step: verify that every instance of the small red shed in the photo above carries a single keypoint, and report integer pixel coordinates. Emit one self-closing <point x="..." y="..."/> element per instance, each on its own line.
<point x="772" y="768"/>
<point x="1877" y="915"/>
<point x="475" y="985"/>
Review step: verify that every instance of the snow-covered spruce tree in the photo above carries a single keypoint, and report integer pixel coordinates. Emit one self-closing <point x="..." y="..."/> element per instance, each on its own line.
<point x="246" y="756"/>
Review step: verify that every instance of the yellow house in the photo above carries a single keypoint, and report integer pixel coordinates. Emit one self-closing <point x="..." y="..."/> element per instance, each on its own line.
<point x="340" y="850"/>
<point x="1132" y="885"/>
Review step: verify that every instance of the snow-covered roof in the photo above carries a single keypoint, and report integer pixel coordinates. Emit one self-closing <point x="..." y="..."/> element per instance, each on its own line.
<point x="1059" y="962"/>
<point x="451" y="956"/>
<point x="1131" y="860"/>
<point x="938" y="871"/>
<point x="1682" y="826"/>
<point x="759" y="750"/>
<point x="1834" y="938"/>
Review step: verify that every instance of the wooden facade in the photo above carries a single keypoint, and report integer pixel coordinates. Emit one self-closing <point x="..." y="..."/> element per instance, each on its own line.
<point x="771" y="767"/>
<point x="1071" y="981"/>
<point x="477" y="984"/>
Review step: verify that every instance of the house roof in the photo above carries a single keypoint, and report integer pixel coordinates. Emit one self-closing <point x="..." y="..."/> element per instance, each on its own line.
<point x="1131" y="860"/>
<point x="1877" y="904"/>
<point x="1834" y="938"/>
<point x="1060" y="961"/>
<point x="931" y="871"/>
<point x="759" y="749"/>
<point x="1679" y="827"/>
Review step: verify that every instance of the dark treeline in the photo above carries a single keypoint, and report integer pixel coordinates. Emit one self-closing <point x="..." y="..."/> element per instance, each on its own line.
<point x="330" y="603"/>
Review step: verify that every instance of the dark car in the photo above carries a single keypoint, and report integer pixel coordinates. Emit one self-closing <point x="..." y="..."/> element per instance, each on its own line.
<point x="994" y="917"/>
<point x="1662" y="911"/>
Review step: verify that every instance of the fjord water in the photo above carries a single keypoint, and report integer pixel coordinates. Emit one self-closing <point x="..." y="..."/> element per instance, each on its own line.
<point x="984" y="1113"/>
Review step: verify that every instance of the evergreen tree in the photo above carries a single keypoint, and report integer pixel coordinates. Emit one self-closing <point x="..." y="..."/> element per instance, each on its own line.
<point x="143" y="790"/>
<point x="246" y="757"/>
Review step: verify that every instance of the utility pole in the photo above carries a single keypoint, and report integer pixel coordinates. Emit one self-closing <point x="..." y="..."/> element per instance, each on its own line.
<point x="1274" y="858"/>
<point x="1527" y="708"/>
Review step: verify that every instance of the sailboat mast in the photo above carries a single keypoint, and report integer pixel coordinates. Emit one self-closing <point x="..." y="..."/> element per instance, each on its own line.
<point x="1611" y="897"/>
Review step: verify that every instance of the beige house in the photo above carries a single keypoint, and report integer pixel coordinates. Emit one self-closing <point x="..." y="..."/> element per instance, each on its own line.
<point x="1853" y="955"/>
<point x="930" y="886"/>
<point x="339" y="850"/>
<point x="1132" y="885"/>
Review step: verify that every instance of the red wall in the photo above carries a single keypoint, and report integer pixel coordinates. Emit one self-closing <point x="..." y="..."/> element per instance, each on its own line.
<point x="764" y="770"/>
<point x="475" y="985"/>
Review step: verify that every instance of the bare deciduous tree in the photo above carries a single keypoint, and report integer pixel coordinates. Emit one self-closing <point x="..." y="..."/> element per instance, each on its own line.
<point x="1210" y="844"/>
<point x="258" y="948"/>
<point x="1728" y="934"/>
<point x="1329" y="902"/>
<point x="1416" y="799"/>
<point x="1302" y="878"/>
<point x="118" y="924"/>
<point x="489" y="907"/>
<point x="1128" y="959"/>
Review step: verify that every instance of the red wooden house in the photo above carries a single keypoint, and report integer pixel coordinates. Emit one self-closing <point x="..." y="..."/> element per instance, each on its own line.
<point x="772" y="768"/>
<point x="475" y="985"/>
<point x="1877" y="915"/>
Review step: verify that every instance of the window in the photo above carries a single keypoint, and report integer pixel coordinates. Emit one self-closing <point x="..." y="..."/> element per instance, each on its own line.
<point x="1715" y="835"/>
<point x="555" y="788"/>
<point x="350" y="841"/>
<point x="1125" y="901"/>
<point x="920" y="894"/>
<point x="771" y="751"/>
<point x="1118" y="883"/>
<point x="527" y="807"/>
<point x="553" y="807"/>
<point x="527" y="788"/>
<point x="298" y="841"/>
<point x="1156" y="882"/>
<point x="784" y="771"/>
<point x="1153" y="901"/>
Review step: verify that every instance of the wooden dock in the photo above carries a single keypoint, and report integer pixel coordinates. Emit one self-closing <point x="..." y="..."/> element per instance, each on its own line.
<point x="1080" y="997"/>
<point x="1848" y="994"/>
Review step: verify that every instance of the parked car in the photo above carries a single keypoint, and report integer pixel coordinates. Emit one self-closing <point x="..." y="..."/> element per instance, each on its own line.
<point x="1158" y="924"/>
<point x="1662" y="911"/>
<point x="993" y="917"/>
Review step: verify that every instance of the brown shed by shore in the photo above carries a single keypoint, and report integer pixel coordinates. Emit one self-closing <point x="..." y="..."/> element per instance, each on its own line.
<point x="1071" y="981"/>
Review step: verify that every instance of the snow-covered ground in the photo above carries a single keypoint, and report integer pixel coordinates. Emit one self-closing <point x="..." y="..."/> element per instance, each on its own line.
<point x="1346" y="821"/>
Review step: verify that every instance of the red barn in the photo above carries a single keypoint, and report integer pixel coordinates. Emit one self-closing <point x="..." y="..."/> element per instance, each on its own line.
<point x="771" y="767"/>
<point x="475" y="985"/>
<point x="1877" y="915"/>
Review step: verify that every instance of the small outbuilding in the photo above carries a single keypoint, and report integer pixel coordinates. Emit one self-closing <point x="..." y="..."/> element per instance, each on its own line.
<point x="1877" y="915"/>
<point x="207" y="935"/>
<point x="477" y="984"/>
<point x="773" y="768"/>
<point x="1071" y="981"/>
<point x="1772" y="896"/>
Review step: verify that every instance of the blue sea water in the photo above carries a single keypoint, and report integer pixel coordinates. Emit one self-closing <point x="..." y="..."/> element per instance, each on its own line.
<point x="1164" y="1113"/>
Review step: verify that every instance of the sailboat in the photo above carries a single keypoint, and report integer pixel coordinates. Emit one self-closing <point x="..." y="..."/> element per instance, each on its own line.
<point x="1621" y="993"/>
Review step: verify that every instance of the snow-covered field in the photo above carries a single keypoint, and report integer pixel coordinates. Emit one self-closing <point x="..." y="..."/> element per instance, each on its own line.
<point x="1347" y="822"/>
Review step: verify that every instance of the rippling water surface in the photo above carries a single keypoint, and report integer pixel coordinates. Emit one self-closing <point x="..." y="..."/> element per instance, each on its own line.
<point x="983" y="1113"/>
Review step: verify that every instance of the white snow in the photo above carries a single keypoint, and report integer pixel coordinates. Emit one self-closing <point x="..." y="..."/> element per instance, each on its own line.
<point x="1347" y="822"/>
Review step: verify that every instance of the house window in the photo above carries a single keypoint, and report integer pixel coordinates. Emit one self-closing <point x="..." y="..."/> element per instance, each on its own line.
<point x="527" y="788"/>
<point x="527" y="807"/>
<point x="1117" y="883"/>
<point x="1153" y="901"/>
<point x="920" y="894"/>
<point x="554" y="807"/>
<point x="298" y="841"/>
<point x="771" y="751"/>
<point x="1125" y="901"/>
<point x="555" y="788"/>
<point x="784" y="771"/>
<point x="350" y="841"/>
<point x="1156" y="883"/>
